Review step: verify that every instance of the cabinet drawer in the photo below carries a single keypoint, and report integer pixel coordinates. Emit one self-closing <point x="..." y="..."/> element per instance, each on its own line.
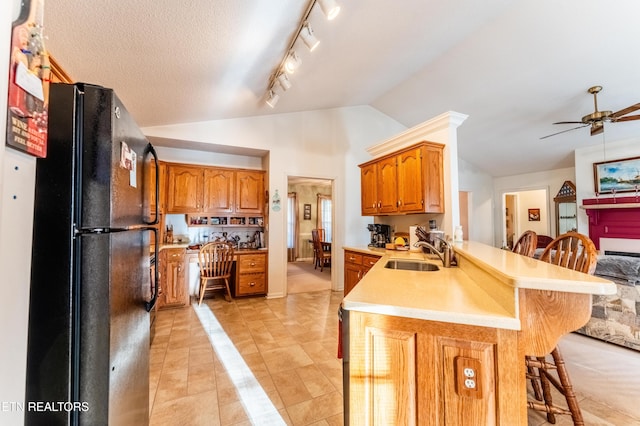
<point x="369" y="261"/>
<point x="248" y="263"/>
<point x="353" y="257"/>
<point x="251" y="283"/>
<point x="174" y="255"/>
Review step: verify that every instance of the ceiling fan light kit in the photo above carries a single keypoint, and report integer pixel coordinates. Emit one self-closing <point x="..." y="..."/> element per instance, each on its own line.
<point x="291" y="61"/>
<point x="597" y="118"/>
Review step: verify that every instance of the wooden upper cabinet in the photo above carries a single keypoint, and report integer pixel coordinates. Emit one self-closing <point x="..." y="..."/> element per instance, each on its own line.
<point x="387" y="186"/>
<point x="185" y="185"/>
<point x="407" y="181"/>
<point x="215" y="190"/>
<point x="433" y="178"/>
<point x="218" y="190"/>
<point x="410" y="181"/>
<point x="249" y="192"/>
<point x="58" y="75"/>
<point x="369" y="189"/>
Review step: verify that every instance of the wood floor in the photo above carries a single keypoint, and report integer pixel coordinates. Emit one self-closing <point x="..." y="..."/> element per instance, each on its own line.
<point x="264" y="361"/>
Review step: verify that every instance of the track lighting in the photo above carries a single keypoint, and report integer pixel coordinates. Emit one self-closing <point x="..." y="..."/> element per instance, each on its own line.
<point x="292" y="63"/>
<point x="273" y="99"/>
<point x="330" y="8"/>
<point x="308" y="37"/>
<point x="284" y="81"/>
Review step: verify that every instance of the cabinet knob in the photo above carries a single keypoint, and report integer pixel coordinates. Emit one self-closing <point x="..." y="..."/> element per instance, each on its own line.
<point x="352" y="258"/>
<point x="253" y="263"/>
<point x="251" y="284"/>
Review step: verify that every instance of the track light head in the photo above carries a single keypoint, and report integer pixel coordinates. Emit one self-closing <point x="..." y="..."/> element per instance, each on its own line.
<point x="272" y="99"/>
<point x="330" y="8"/>
<point x="292" y="63"/>
<point x="283" y="79"/>
<point x="308" y="37"/>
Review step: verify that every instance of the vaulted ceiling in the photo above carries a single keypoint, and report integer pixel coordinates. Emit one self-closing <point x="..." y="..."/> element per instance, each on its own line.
<point x="514" y="67"/>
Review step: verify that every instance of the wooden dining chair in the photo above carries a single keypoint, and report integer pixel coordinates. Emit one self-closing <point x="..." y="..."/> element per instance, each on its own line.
<point x="322" y="252"/>
<point x="526" y="244"/>
<point x="573" y="251"/>
<point x="215" y="260"/>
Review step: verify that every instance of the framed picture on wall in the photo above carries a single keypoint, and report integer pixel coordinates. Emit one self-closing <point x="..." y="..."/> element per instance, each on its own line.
<point x="534" y="215"/>
<point x="617" y="175"/>
<point x="307" y="212"/>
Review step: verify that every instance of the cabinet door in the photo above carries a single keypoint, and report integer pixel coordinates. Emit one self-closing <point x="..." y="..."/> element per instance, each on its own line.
<point x="387" y="186"/>
<point x="185" y="189"/>
<point x="218" y="191"/>
<point x="352" y="274"/>
<point x="434" y="179"/>
<point x="249" y="192"/>
<point x="174" y="288"/>
<point x="369" y="189"/>
<point x="352" y="270"/>
<point x="410" y="183"/>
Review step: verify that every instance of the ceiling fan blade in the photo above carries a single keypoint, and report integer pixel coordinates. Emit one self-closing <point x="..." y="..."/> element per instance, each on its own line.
<point x="569" y="122"/>
<point x="564" y="131"/>
<point x="625" y="111"/>
<point x="627" y="118"/>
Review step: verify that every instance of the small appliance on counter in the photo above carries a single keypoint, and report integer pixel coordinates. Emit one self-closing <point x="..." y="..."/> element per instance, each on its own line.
<point x="380" y="235"/>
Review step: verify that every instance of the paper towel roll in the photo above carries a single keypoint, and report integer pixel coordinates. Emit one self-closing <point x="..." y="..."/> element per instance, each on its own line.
<point x="413" y="238"/>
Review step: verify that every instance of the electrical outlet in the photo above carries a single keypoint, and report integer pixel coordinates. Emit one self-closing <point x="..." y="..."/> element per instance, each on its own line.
<point x="468" y="373"/>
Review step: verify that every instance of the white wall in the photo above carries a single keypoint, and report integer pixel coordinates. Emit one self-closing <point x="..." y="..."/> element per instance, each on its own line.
<point x="319" y="144"/>
<point x="584" y="159"/>
<point x="550" y="180"/>
<point x="17" y="175"/>
<point x="480" y="185"/>
<point x="536" y="199"/>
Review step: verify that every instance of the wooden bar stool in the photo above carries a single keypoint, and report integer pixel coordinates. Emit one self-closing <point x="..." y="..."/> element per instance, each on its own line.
<point x="574" y="251"/>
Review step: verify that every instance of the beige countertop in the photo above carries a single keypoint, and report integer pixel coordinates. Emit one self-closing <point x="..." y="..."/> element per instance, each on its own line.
<point x="461" y="294"/>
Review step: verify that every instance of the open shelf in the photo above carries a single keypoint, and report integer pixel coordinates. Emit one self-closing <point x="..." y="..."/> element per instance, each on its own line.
<point x="226" y="221"/>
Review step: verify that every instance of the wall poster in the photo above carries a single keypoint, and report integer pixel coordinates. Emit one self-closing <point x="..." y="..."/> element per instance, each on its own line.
<point x="29" y="75"/>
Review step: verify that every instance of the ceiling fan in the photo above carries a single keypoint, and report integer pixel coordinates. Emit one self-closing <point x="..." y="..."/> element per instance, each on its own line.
<point x="597" y="118"/>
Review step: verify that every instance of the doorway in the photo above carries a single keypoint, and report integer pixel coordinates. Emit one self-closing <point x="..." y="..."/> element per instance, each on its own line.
<point x="523" y="211"/>
<point x="309" y="206"/>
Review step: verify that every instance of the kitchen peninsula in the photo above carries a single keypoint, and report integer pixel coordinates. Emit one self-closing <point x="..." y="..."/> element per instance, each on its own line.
<point x="448" y="346"/>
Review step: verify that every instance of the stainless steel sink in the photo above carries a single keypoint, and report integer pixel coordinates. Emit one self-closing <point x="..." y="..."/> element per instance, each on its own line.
<point x="411" y="265"/>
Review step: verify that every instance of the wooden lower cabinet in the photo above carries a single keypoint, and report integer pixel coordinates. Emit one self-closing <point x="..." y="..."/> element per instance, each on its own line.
<point x="251" y="274"/>
<point x="414" y="372"/>
<point x="356" y="265"/>
<point x="173" y="284"/>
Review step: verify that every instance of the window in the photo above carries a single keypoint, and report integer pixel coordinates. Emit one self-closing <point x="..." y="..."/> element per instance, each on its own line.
<point x="324" y="215"/>
<point x="292" y="219"/>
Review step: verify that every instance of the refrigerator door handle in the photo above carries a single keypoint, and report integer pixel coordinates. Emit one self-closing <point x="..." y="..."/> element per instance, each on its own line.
<point x="150" y="149"/>
<point x="154" y="297"/>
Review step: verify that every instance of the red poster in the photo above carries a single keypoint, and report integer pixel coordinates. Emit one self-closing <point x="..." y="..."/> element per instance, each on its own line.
<point x="28" y="82"/>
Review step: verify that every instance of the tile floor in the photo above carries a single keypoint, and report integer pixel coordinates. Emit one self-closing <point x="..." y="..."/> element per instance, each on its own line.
<point x="275" y="363"/>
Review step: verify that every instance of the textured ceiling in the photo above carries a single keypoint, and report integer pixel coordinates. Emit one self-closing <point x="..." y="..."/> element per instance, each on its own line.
<point x="513" y="66"/>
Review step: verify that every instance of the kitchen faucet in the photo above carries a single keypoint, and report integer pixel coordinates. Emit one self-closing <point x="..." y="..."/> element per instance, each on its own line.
<point x="445" y="256"/>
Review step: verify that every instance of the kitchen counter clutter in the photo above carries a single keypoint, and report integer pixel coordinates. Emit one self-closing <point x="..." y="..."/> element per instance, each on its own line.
<point x="448" y="346"/>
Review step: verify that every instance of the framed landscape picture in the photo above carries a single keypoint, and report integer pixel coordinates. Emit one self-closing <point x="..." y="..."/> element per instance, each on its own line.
<point x="617" y="176"/>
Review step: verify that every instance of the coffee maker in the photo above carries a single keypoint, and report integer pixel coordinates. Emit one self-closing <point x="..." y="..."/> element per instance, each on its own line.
<point x="380" y="234"/>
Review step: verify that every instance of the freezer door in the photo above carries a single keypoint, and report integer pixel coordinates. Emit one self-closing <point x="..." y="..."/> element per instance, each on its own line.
<point x="114" y="157"/>
<point x="114" y="328"/>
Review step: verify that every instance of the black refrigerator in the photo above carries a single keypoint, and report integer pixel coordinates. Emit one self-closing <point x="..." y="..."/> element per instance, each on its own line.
<point x="90" y="296"/>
